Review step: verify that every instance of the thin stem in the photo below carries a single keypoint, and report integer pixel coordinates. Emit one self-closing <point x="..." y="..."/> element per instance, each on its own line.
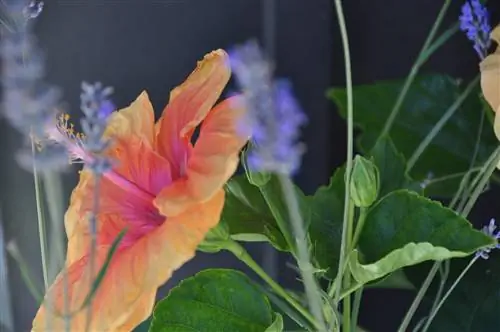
<point x="42" y="230"/>
<point x="245" y="257"/>
<point x="346" y="312"/>
<point x="311" y="286"/>
<point x="490" y="168"/>
<point x="52" y="186"/>
<point x="420" y="295"/>
<point x="421" y="58"/>
<point x="93" y="244"/>
<point x="440" y="124"/>
<point x="348" y="207"/>
<point x="359" y="227"/>
<point x="445" y="297"/>
<point x="484" y="175"/>
<point x="355" y="309"/>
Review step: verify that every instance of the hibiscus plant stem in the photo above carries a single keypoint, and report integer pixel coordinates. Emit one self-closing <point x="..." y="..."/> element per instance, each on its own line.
<point x="240" y="252"/>
<point x="426" y="51"/>
<point x="482" y="179"/>
<point x="336" y="287"/>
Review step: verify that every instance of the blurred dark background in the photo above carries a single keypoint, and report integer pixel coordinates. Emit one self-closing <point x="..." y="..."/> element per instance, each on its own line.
<point x="154" y="44"/>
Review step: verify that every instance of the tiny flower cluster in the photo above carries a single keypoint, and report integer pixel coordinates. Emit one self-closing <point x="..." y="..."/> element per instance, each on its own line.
<point x="274" y="115"/>
<point x="490" y="230"/>
<point x="475" y="22"/>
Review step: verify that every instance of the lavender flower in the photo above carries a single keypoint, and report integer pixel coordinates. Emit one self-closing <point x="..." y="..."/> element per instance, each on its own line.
<point x="490" y="230"/>
<point x="96" y="106"/>
<point x="33" y="9"/>
<point x="274" y="115"/>
<point x="475" y="22"/>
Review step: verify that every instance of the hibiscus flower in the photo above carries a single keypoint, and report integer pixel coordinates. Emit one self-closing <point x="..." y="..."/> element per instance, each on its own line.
<point x="166" y="191"/>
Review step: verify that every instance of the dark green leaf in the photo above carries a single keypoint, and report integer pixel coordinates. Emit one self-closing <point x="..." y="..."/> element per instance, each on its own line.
<point x="427" y="100"/>
<point x="392" y="168"/>
<point x="214" y="300"/>
<point x="405" y="229"/>
<point x="325" y="230"/>
<point x="248" y="216"/>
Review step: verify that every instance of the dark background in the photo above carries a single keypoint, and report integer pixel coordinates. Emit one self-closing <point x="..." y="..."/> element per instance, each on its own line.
<point x="145" y="44"/>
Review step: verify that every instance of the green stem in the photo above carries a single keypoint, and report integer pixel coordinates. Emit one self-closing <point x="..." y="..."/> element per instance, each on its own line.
<point x="42" y="230"/>
<point x="420" y="295"/>
<point x="346" y="312"/>
<point x="240" y="252"/>
<point x="445" y="297"/>
<point x="440" y="124"/>
<point x="52" y="187"/>
<point x="421" y="58"/>
<point x="483" y="175"/>
<point x="357" y="303"/>
<point x="348" y="207"/>
<point x="359" y="227"/>
<point x="311" y="286"/>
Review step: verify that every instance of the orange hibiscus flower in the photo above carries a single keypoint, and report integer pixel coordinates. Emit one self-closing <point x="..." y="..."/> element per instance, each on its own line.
<point x="166" y="191"/>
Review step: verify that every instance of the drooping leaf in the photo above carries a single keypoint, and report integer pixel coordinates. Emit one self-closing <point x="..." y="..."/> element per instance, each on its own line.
<point x="428" y="98"/>
<point x="405" y="229"/>
<point x="277" y="325"/>
<point x="248" y="216"/>
<point x="325" y="230"/>
<point x="214" y="300"/>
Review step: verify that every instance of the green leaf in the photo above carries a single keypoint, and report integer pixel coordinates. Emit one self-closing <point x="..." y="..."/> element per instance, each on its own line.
<point x="474" y="304"/>
<point x="248" y="216"/>
<point x="427" y="100"/>
<point x="325" y="230"/>
<point x="214" y="300"/>
<point x="277" y="325"/>
<point x="392" y="168"/>
<point x="405" y="229"/>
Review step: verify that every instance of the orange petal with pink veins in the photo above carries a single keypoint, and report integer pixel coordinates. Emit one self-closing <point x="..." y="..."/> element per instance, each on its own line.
<point x="127" y="290"/>
<point x="142" y="168"/>
<point x="189" y="104"/>
<point x="135" y="120"/>
<point x="213" y="161"/>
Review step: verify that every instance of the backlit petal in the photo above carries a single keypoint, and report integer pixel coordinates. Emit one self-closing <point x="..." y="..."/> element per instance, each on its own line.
<point x="134" y="120"/>
<point x="490" y="74"/>
<point x="213" y="161"/>
<point x="189" y="104"/>
<point x="134" y="272"/>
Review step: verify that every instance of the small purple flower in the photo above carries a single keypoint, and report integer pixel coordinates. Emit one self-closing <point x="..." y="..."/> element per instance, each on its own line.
<point x="274" y="115"/>
<point x="97" y="107"/>
<point x="490" y="230"/>
<point x="474" y="21"/>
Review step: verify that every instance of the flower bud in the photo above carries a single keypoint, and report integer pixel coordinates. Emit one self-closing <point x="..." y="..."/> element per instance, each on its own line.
<point x="364" y="183"/>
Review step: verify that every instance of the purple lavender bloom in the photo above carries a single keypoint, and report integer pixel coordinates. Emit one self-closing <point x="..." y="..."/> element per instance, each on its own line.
<point x="490" y="230"/>
<point x="97" y="107"/>
<point x="274" y="115"/>
<point x="474" y="21"/>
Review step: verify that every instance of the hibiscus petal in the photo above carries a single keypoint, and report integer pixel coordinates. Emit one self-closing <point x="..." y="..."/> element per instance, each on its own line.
<point x="188" y="106"/>
<point x="124" y="296"/>
<point x="142" y="168"/>
<point x="490" y="74"/>
<point x="137" y="120"/>
<point x="213" y="161"/>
